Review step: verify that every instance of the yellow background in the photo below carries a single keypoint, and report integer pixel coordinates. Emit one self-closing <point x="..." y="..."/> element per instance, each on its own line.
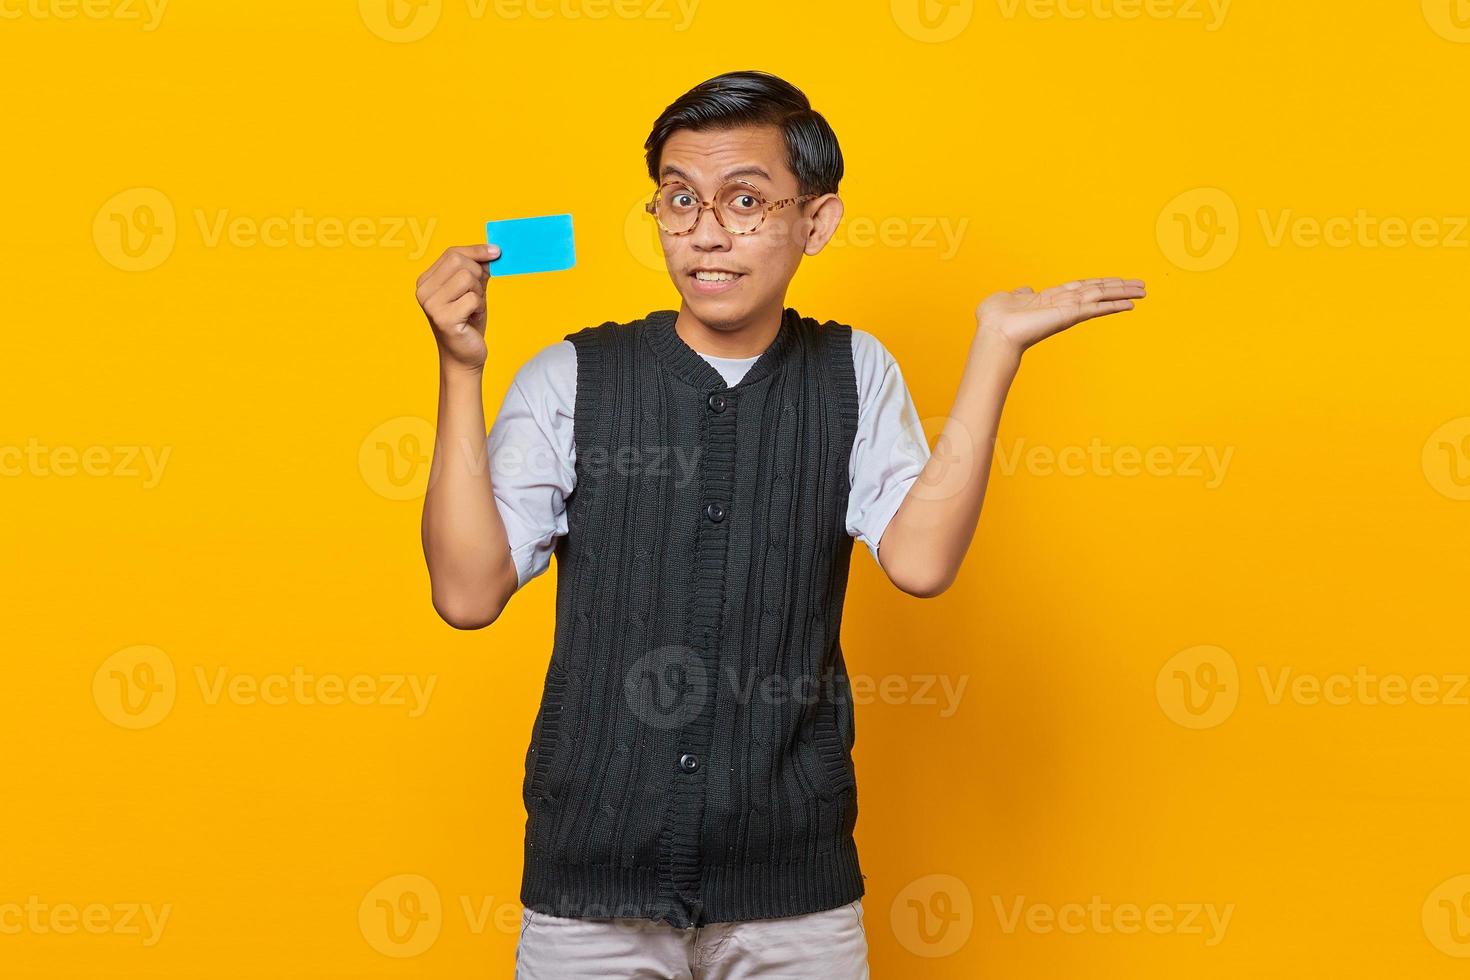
<point x="1076" y="764"/>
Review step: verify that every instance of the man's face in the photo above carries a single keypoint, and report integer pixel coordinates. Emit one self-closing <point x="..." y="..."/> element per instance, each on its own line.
<point x="762" y="263"/>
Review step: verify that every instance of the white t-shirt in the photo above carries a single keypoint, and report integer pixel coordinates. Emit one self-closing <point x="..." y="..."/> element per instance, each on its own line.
<point x="533" y="453"/>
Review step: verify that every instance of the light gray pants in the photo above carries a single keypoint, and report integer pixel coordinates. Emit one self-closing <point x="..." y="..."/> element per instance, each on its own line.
<point x="831" y="945"/>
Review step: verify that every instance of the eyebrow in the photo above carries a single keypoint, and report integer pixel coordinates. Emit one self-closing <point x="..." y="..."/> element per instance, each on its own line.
<point x="672" y="171"/>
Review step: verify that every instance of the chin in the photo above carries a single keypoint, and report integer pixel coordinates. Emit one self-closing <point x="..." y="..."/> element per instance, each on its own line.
<point x="718" y="311"/>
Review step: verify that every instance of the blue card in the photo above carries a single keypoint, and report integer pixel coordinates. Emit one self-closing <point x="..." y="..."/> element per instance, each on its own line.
<point x="531" y="244"/>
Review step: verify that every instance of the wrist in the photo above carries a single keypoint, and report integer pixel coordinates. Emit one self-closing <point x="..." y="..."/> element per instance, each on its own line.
<point x="991" y="344"/>
<point x="457" y="372"/>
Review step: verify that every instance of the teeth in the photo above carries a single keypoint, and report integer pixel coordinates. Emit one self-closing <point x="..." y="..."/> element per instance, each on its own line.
<point x="715" y="276"/>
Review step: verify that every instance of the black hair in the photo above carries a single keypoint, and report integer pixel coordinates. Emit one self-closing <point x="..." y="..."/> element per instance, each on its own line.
<point x="756" y="98"/>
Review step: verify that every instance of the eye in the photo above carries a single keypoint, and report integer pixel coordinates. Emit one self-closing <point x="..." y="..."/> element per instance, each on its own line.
<point x="682" y="199"/>
<point x="745" y="202"/>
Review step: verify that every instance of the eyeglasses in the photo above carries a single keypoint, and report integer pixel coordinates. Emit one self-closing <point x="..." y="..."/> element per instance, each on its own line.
<point x="739" y="207"/>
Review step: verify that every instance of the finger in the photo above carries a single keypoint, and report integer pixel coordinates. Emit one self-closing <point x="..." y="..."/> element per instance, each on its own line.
<point x="461" y="282"/>
<point x="1093" y="294"/>
<point x="456" y="267"/>
<point x="456" y="255"/>
<point x="463" y="308"/>
<point x="477" y="253"/>
<point x="1076" y="285"/>
<point x="428" y="273"/>
<point x="1023" y="289"/>
<point x="1069" y="289"/>
<point x="1091" y="311"/>
<point x="480" y="269"/>
<point x="434" y="280"/>
<point x="487" y="254"/>
<point x="462" y="261"/>
<point x="1105" y="281"/>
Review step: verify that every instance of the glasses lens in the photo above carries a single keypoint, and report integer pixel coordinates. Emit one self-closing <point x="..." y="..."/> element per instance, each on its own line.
<point x="742" y="206"/>
<point x="677" y="207"/>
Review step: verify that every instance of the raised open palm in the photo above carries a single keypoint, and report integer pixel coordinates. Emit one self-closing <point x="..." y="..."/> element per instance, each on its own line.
<point x="1024" y="316"/>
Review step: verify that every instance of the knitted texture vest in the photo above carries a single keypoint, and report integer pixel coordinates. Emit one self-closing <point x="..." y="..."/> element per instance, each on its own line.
<point x="691" y="758"/>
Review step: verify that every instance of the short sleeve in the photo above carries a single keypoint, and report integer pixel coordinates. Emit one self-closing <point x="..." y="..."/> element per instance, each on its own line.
<point x="889" y="450"/>
<point x="532" y="455"/>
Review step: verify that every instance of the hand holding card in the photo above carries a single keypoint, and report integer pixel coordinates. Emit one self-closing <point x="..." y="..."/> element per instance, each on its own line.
<point x="531" y="244"/>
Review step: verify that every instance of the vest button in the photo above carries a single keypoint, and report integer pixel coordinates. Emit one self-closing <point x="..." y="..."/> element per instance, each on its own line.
<point x="688" y="762"/>
<point x="715" y="511"/>
<point x="716" y="402"/>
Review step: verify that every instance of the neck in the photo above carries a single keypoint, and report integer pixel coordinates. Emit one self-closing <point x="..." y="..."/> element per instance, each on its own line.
<point x="748" y="338"/>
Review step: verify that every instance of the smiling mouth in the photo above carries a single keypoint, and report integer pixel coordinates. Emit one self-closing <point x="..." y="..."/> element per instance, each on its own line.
<point x="715" y="283"/>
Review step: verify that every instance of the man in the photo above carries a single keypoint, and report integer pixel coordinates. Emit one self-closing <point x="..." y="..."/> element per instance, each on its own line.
<point x="700" y="475"/>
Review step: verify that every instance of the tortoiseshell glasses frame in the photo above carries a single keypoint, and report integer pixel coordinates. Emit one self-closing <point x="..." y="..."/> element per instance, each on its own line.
<point x="766" y="207"/>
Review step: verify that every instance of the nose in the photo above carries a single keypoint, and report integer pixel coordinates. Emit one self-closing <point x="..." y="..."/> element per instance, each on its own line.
<point x="708" y="234"/>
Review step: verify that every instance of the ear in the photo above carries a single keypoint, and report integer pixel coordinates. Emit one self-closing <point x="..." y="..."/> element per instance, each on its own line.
<point x="824" y="214"/>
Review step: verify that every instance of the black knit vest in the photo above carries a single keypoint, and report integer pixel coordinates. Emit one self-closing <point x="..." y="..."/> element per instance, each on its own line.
<point x="691" y="759"/>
